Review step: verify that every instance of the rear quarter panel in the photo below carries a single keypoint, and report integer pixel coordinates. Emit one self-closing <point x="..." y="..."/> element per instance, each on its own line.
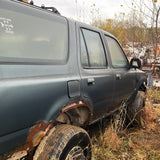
<point x="33" y="92"/>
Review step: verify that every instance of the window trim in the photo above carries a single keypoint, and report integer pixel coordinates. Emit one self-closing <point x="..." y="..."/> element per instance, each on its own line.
<point x="105" y="35"/>
<point x="89" y="67"/>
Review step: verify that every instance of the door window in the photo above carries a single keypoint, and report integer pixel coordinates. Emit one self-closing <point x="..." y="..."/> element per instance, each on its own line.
<point x="92" y="50"/>
<point x="117" y="55"/>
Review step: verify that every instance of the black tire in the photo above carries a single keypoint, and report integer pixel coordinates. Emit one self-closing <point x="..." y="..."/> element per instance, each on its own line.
<point x="64" y="141"/>
<point x="135" y="110"/>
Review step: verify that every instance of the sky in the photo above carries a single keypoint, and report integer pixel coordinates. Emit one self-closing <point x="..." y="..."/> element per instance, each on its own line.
<point x="81" y="9"/>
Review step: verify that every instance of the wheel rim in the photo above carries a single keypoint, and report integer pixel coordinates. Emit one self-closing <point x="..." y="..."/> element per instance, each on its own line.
<point x="76" y="153"/>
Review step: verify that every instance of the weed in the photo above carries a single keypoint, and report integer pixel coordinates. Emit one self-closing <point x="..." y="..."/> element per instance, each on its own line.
<point x="153" y="95"/>
<point x="131" y="143"/>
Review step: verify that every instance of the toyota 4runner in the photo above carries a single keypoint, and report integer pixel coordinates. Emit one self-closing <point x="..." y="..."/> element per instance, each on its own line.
<point x="56" y="77"/>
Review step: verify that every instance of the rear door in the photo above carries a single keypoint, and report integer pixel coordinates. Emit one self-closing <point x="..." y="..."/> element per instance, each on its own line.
<point x="96" y="77"/>
<point x="124" y="77"/>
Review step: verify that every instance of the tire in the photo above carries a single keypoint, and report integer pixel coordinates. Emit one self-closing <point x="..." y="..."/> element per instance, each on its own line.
<point x="64" y="142"/>
<point x="135" y="110"/>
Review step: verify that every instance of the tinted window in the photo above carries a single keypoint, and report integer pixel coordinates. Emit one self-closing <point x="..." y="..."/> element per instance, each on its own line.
<point x="25" y="37"/>
<point x="95" y="49"/>
<point x="117" y="56"/>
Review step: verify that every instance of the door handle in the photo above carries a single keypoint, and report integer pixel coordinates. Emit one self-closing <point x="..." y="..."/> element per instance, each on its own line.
<point x="91" y="81"/>
<point x="118" y="76"/>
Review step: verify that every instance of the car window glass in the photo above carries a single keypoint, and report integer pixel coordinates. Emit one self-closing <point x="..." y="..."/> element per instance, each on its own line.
<point x="117" y="56"/>
<point x="35" y="39"/>
<point x="84" y="56"/>
<point x="95" y="49"/>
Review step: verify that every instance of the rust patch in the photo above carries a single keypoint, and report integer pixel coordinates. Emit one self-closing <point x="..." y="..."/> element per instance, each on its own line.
<point x="38" y="136"/>
<point x="35" y="136"/>
<point x="71" y="106"/>
<point x="18" y="155"/>
<point x="76" y="105"/>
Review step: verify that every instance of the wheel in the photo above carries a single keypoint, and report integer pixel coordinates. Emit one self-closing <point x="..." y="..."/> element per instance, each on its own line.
<point x="135" y="110"/>
<point x="64" y="142"/>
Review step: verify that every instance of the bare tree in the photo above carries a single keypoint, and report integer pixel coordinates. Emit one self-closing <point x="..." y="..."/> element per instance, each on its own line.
<point x="150" y="9"/>
<point x="157" y="12"/>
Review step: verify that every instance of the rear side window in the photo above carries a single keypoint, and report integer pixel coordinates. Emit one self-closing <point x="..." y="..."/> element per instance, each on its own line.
<point x="117" y="56"/>
<point x="92" y="50"/>
<point x="30" y="38"/>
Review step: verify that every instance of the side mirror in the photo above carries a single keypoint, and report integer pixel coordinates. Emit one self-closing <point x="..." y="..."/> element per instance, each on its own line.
<point x="135" y="63"/>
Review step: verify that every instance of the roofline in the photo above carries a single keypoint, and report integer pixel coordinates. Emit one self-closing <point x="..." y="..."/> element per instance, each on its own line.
<point x="95" y="28"/>
<point x="41" y="8"/>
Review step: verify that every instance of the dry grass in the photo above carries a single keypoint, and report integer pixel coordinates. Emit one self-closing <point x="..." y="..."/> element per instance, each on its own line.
<point x="154" y="95"/>
<point x="132" y="143"/>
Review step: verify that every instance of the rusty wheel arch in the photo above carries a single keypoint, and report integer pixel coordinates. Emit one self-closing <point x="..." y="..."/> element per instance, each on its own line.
<point x="77" y="113"/>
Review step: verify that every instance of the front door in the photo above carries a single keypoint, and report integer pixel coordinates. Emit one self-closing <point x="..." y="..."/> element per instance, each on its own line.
<point x="124" y="77"/>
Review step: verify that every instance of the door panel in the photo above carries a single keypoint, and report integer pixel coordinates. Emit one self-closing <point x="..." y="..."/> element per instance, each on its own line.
<point x="100" y="92"/>
<point x="125" y="82"/>
<point x="124" y="78"/>
<point x="97" y="79"/>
